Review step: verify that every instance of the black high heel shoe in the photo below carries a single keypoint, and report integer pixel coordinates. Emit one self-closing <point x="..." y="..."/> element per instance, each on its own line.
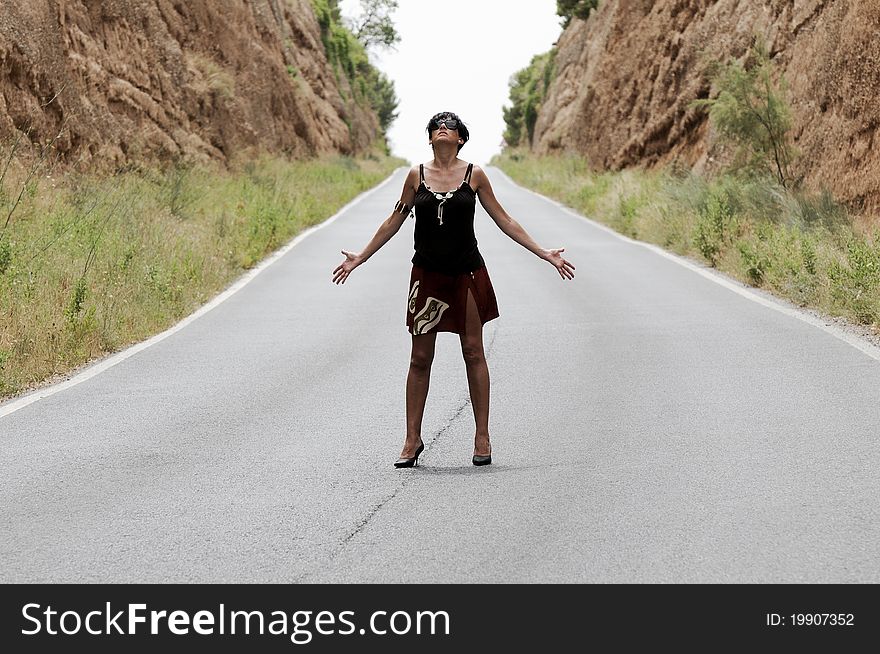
<point x="483" y="460"/>
<point x="412" y="461"/>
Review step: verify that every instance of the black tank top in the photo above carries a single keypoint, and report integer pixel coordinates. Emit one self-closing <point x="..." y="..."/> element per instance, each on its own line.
<point x="444" y="233"/>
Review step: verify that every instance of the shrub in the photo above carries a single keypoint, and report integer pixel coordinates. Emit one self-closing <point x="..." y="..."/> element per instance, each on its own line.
<point x="627" y="211"/>
<point x="808" y="255"/>
<point x="569" y="9"/>
<point x="855" y="283"/>
<point x="5" y="254"/>
<point x="713" y="226"/>
<point x="77" y="299"/>
<point x="177" y="188"/>
<point x="757" y="255"/>
<point x="821" y="210"/>
<point x="751" y="113"/>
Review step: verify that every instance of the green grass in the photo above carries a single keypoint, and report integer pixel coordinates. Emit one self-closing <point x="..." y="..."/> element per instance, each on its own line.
<point x="801" y="246"/>
<point x="89" y="265"/>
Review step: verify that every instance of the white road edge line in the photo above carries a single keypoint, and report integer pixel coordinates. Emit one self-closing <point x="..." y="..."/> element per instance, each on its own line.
<point x="855" y="341"/>
<point x="107" y="363"/>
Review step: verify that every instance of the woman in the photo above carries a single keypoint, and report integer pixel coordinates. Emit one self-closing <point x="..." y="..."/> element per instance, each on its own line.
<point x="450" y="288"/>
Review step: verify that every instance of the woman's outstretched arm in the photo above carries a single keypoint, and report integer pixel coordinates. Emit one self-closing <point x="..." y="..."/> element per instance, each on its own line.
<point x="514" y="230"/>
<point x="387" y="229"/>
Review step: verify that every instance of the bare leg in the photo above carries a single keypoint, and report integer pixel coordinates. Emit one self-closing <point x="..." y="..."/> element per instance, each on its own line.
<point x="477" y="376"/>
<point x="417" y="390"/>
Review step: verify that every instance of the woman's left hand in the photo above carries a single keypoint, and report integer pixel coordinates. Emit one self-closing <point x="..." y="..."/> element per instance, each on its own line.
<point x="563" y="267"/>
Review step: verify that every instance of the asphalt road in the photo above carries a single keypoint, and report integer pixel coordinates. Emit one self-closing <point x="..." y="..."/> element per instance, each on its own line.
<point x="648" y="425"/>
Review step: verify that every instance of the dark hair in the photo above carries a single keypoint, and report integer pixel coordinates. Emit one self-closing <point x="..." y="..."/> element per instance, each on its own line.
<point x="463" y="132"/>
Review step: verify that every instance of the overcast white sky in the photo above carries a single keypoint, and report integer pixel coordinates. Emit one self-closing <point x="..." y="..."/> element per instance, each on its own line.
<point x="458" y="55"/>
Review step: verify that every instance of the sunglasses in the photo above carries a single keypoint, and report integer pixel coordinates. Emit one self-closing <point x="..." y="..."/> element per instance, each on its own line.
<point x="450" y="123"/>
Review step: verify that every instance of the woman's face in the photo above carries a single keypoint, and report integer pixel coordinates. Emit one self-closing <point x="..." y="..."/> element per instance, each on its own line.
<point x="441" y="131"/>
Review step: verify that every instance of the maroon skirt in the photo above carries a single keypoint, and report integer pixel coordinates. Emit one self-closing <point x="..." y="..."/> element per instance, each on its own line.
<point x="438" y="302"/>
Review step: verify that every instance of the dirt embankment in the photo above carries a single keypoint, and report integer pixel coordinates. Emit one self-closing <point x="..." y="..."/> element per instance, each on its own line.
<point x="625" y="78"/>
<point x="161" y="79"/>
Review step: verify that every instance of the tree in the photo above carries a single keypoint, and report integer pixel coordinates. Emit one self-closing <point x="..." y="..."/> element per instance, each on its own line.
<point x="384" y="101"/>
<point x="528" y="88"/>
<point x="374" y="27"/>
<point x="347" y="54"/>
<point x="574" y="8"/>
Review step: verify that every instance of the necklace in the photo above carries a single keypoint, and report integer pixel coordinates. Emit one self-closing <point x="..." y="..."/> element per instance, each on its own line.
<point x="443" y="197"/>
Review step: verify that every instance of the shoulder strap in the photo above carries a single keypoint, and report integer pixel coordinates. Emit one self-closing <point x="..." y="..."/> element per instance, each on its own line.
<point x="467" y="175"/>
<point x="421" y="172"/>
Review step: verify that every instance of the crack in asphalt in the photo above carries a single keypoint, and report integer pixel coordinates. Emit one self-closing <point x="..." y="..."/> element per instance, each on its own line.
<point x="361" y="525"/>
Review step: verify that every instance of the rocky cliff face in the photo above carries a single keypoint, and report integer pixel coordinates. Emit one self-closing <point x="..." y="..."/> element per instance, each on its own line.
<point x="625" y="77"/>
<point x="159" y="79"/>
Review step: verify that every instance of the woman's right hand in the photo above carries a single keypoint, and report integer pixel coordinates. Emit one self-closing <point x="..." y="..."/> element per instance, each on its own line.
<point x="343" y="270"/>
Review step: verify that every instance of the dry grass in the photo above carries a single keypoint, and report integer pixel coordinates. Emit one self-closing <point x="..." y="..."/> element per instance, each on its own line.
<point x="209" y="77"/>
<point x="803" y="246"/>
<point x="90" y="265"/>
